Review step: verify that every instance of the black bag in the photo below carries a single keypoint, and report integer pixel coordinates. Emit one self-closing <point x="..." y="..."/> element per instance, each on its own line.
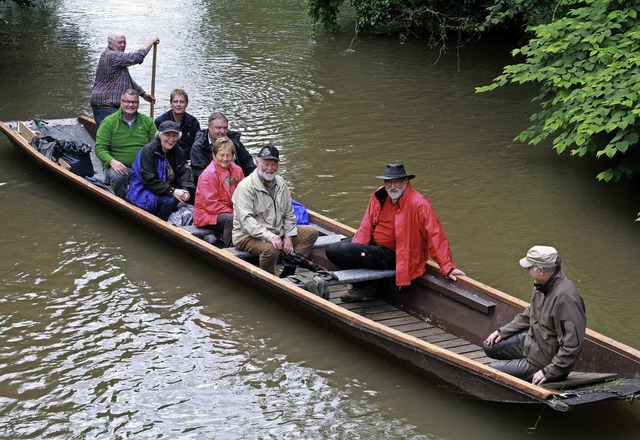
<point x="48" y="146"/>
<point x="77" y="156"/>
<point x="74" y="153"/>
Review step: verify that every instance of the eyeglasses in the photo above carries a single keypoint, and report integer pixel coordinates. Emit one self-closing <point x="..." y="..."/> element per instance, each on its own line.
<point x="396" y="182"/>
<point x="130" y="102"/>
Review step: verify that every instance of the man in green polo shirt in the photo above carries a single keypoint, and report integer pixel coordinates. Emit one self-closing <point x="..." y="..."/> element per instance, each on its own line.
<point x="120" y="137"/>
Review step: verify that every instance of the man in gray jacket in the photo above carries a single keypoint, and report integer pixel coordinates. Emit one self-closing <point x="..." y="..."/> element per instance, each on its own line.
<point x="263" y="220"/>
<point x="542" y="343"/>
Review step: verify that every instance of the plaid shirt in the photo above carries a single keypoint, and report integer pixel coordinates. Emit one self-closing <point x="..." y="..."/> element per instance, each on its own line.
<point x="113" y="78"/>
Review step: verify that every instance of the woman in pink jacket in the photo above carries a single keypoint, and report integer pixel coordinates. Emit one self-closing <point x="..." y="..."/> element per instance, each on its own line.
<point x="213" y="208"/>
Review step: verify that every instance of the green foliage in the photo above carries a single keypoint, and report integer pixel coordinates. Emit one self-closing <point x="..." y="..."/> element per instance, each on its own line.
<point x="521" y="13"/>
<point x="432" y="19"/>
<point x="21" y="2"/>
<point x="325" y="12"/>
<point x="587" y="65"/>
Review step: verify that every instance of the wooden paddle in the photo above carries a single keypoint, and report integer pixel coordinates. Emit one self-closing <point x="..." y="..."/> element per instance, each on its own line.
<point x="153" y="78"/>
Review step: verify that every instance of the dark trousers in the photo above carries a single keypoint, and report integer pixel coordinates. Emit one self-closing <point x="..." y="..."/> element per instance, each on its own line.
<point x="166" y="206"/>
<point x="347" y="255"/>
<point x="512" y="359"/>
<point x="223" y="228"/>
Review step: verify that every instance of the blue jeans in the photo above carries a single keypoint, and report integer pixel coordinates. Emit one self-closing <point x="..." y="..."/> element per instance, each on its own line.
<point x="166" y="206"/>
<point x="99" y="113"/>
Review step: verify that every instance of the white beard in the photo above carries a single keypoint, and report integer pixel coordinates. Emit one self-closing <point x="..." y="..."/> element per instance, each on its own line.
<point x="395" y="193"/>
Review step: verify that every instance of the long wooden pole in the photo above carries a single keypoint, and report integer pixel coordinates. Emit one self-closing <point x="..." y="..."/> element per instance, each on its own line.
<point x="153" y="78"/>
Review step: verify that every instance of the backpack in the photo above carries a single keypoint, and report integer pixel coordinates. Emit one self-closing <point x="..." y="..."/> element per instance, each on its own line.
<point x="315" y="282"/>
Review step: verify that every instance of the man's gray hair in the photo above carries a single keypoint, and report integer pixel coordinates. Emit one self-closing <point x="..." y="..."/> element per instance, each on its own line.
<point x="112" y="37"/>
<point x="218" y="115"/>
<point x="130" y="92"/>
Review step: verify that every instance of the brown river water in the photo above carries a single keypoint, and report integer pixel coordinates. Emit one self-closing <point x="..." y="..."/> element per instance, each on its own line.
<point x="107" y="332"/>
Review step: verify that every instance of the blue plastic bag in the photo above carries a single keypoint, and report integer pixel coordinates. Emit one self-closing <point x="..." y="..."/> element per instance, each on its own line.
<point x="300" y="211"/>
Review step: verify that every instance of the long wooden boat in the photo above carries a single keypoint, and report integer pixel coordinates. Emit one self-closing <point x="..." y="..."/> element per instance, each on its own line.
<point x="435" y="327"/>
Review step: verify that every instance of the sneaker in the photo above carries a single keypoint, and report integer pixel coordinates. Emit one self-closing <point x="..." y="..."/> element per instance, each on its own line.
<point x="360" y="293"/>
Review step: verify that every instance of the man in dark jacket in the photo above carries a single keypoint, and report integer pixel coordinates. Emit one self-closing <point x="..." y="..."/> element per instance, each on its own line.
<point x="189" y="125"/>
<point x="542" y="343"/>
<point x="202" y="149"/>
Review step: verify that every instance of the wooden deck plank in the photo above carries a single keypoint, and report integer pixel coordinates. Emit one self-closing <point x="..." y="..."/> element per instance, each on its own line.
<point x="427" y="331"/>
<point x="456" y="342"/>
<point x="414" y="326"/>
<point x="394" y="322"/>
<point x="477" y="354"/>
<point x="439" y="337"/>
<point x="469" y="348"/>
<point x="379" y="315"/>
<point x="484" y="360"/>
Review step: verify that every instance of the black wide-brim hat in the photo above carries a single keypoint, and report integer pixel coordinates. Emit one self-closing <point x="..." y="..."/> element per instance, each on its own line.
<point x="395" y="171"/>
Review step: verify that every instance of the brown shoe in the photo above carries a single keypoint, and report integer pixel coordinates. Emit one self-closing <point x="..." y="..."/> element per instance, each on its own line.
<point x="360" y="293"/>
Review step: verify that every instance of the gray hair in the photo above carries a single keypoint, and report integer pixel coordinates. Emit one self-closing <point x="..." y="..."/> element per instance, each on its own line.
<point x="218" y="115"/>
<point x="112" y="37"/>
<point x="159" y="133"/>
<point x="130" y="92"/>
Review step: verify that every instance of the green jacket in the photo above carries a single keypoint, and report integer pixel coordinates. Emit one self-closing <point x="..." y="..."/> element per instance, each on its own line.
<point x="116" y="140"/>
<point x="257" y="214"/>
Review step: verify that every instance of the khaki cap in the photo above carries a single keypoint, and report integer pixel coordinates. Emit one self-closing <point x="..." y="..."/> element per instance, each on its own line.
<point x="542" y="256"/>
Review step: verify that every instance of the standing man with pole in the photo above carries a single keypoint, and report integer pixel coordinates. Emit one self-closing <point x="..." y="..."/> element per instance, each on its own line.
<point x="113" y="78"/>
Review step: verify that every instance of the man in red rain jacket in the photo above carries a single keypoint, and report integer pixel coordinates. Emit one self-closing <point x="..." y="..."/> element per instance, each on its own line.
<point x="399" y="231"/>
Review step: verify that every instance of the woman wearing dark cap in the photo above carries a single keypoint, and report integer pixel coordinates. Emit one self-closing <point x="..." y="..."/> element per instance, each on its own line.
<point x="161" y="178"/>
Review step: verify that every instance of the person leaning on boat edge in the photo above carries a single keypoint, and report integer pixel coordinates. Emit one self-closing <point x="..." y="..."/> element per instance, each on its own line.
<point x="189" y="125"/>
<point x="161" y="178"/>
<point x="399" y="231"/>
<point x="542" y="343"/>
<point x="119" y="139"/>
<point x="264" y="223"/>
<point x="113" y="78"/>
<point x="202" y="149"/>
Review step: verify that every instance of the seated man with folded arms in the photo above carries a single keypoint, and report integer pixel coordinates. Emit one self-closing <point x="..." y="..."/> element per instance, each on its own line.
<point x="119" y="139"/>
<point x="264" y="223"/>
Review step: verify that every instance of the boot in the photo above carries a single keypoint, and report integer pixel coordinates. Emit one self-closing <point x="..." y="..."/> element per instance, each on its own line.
<point x="360" y="293"/>
<point x="287" y="271"/>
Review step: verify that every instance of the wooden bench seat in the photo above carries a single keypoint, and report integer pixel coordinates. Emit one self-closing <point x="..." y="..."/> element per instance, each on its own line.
<point x="350" y="276"/>
<point x="457" y="292"/>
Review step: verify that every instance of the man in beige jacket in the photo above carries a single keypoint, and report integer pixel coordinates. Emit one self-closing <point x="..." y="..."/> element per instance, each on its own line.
<point x="263" y="220"/>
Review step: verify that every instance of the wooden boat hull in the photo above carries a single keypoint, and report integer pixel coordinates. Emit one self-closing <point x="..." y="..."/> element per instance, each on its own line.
<point x="435" y="327"/>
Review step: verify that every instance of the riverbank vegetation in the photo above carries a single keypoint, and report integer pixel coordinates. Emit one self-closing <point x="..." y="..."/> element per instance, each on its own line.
<point x="583" y="55"/>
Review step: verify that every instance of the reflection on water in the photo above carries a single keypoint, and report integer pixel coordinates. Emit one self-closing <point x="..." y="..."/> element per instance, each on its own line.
<point x="107" y="333"/>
